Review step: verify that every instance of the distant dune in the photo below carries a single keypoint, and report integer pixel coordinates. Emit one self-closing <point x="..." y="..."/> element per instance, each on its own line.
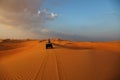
<point x="11" y="44"/>
<point x="0" y="40"/>
<point x="68" y="60"/>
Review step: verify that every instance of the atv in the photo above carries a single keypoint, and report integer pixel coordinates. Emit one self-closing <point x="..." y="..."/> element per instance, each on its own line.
<point x="49" y="45"/>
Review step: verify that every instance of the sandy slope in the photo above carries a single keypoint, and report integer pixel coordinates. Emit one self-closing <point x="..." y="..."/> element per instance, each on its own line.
<point x="67" y="61"/>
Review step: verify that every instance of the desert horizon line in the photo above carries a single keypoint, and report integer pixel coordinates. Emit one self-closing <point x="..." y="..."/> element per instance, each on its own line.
<point x="116" y="40"/>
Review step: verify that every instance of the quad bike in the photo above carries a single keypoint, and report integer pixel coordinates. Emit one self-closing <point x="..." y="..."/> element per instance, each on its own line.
<point x="49" y="45"/>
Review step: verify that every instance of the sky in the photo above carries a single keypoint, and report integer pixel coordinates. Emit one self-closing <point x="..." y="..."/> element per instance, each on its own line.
<point x="80" y="20"/>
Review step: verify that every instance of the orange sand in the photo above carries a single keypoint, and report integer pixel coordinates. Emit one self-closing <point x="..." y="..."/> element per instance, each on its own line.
<point x="29" y="60"/>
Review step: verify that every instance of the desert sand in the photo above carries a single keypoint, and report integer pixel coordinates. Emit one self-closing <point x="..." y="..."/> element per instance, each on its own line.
<point x="30" y="60"/>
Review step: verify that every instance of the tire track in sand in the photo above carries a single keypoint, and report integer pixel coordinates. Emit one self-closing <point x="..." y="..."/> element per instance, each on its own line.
<point x="60" y="68"/>
<point x="42" y="68"/>
<point x="59" y="65"/>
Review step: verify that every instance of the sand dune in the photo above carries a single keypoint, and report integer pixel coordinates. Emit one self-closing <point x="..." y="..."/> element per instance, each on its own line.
<point x="29" y="60"/>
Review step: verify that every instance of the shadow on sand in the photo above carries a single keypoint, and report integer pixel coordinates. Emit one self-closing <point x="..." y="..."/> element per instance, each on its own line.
<point x="117" y="70"/>
<point x="71" y="47"/>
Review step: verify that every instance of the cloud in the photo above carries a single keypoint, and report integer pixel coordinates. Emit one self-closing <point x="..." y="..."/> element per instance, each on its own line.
<point x="21" y="13"/>
<point x="53" y="15"/>
<point x="53" y="34"/>
<point x="44" y="30"/>
<point x="48" y="15"/>
<point x="20" y="5"/>
<point x="25" y="15"/>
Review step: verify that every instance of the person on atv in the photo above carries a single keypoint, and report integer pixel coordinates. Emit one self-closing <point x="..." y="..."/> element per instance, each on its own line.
<point x="49" y="44"/>
<point x="49" y="41"/>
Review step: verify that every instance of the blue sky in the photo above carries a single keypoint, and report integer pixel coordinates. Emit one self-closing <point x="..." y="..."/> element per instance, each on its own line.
<point x="89" y="18"/>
